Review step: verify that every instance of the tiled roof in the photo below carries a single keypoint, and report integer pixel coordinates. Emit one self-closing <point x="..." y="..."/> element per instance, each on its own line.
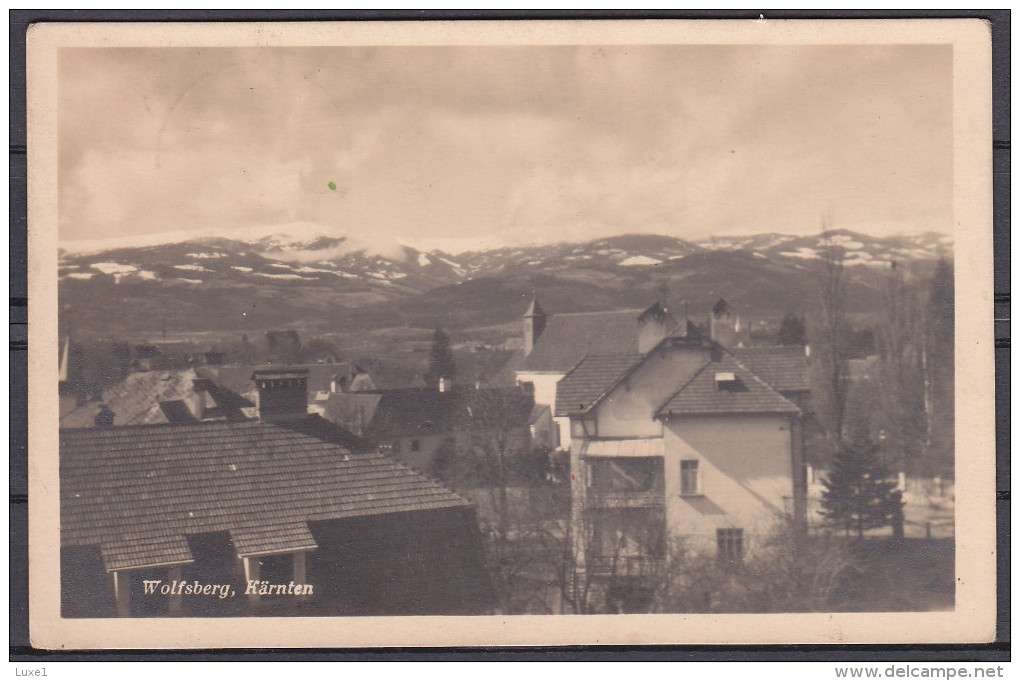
<point x="141" y="548"/>
<point x="590" y="380"/>
<point x="569" y="337"/>
<point x="262" y="539"/>
<point x="785" y="368"/>
<point x="139" y="491"/>
<point x="139" y="399"/>
<point x="412" y="412"/>
<point x="702" y="396"/>
<point x="394" y="413"/>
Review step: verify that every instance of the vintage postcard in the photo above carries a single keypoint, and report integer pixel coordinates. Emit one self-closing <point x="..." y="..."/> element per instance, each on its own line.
<point x="510" y="333"/>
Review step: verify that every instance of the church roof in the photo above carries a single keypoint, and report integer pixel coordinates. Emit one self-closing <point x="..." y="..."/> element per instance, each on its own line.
<point x="569" y="337"/>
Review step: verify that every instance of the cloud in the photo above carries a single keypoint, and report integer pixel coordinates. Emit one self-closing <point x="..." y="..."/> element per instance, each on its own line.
<point x="516" y="144"/>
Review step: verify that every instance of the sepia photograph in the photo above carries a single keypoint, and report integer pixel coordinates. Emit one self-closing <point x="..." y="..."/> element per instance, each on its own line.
<point x="493" y="331"/>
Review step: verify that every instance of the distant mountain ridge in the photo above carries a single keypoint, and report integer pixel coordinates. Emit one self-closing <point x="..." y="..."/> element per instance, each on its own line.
<point x="301" y="277"/>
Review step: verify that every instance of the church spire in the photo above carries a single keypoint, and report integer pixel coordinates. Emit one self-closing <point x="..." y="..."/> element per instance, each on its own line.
<point x="534" y="324"/>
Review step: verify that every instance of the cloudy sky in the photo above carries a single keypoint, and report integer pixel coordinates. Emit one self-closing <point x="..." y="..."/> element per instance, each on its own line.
<point x="481" y="145"/>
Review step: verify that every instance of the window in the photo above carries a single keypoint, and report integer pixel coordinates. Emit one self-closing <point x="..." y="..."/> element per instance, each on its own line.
<point x="689" y="482"/>
<point x="730" y="543"/>
<point x="729" y="382"/>
<point x="415" y="445"/>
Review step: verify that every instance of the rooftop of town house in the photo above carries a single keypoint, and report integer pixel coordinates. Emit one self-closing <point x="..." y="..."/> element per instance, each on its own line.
<point x="138" y="492"/>
<point x="725" y="386"/>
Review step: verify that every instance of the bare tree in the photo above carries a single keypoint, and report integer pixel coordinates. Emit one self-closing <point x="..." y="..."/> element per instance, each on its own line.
<point x="612" y="563"/>
<point x="782" y="573"/>
<point x="901" y="395"/>
<point x="829" y="342"/>
<point x="493" y="453"/>
<point x="939" y="368"/>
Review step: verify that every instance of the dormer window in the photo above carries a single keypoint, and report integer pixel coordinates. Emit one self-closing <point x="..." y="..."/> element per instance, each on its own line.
<point x="728" y="381"/>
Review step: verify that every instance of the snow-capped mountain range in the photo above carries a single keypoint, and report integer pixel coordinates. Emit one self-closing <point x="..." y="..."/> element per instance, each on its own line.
<point x="304" y="275"/>
<point x="296" y="257"/>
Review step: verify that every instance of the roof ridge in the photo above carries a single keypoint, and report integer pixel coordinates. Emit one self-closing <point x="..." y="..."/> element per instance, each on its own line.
<point x="597" y="312"/>
<point x="155" y="426"/>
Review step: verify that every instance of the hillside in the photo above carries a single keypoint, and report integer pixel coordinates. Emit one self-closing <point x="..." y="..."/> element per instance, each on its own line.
<point x="327" y="284"/>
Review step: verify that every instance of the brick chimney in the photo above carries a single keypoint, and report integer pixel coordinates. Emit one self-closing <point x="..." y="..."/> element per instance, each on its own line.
<point x="653" y="326"/>
<point x="283" y="393"/>
<point x="105" y="417"/>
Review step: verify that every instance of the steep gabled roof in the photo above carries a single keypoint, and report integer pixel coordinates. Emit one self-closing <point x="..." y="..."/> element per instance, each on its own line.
<point x="591" y="380"/>
<point x="702" y="395"/>
<point x="785" y="368"/>
<point x="569" y="337"/>
<point x="138" y="492"/>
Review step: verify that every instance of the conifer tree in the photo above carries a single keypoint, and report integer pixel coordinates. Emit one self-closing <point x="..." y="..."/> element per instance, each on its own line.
<point x="440" y="359"/>
<point x="792" y="330"/>
<point x="858" y="494"/>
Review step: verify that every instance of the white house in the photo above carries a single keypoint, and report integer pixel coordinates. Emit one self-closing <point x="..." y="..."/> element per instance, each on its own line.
<point x="685" y="442"/>
<point x="555" y="344"/>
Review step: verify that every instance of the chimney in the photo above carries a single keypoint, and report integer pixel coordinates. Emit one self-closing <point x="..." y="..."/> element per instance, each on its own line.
<point x="105" y="417"/>
<point x="283" y="394"/>
<point x="534" y="325"/>
<point x="652" y="327"/>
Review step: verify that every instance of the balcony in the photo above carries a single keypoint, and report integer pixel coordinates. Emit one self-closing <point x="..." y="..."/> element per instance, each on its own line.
<point x="626" y="482"/>
<point x="650" y="498"/>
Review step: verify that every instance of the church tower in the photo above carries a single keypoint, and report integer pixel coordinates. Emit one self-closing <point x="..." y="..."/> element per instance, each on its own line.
<point x="534" y="325"/>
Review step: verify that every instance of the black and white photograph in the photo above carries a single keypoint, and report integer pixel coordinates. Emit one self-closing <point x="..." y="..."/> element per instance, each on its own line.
<point x="513" y="332"/>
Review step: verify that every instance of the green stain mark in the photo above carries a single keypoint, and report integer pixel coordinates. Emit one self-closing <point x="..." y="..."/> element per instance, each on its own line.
<point x="332" y="186"/>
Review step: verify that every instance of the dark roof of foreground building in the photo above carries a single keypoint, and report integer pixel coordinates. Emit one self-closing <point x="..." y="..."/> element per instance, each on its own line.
<point x="567" y="338"/>
<point x="138" y="492"/>
<point x="785" y="368"/>
<point x="725" y="386"/>
<point x="587" y="383"/>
